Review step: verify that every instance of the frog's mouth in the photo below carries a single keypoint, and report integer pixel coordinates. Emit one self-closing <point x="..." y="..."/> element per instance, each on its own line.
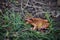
<point x="28" y="21"/>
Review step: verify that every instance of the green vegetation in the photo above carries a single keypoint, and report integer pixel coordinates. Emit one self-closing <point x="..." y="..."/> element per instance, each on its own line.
<point x="12" y="26"/>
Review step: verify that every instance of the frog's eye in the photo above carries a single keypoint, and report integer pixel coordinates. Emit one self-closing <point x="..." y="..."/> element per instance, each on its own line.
<point x="31" y="19"/>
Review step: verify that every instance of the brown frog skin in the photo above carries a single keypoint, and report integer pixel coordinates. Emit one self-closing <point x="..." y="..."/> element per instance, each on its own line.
<point x="38" y="23"/>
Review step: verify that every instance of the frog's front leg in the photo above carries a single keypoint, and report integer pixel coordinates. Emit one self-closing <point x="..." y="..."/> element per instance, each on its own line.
<point x="34" y="27"/>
